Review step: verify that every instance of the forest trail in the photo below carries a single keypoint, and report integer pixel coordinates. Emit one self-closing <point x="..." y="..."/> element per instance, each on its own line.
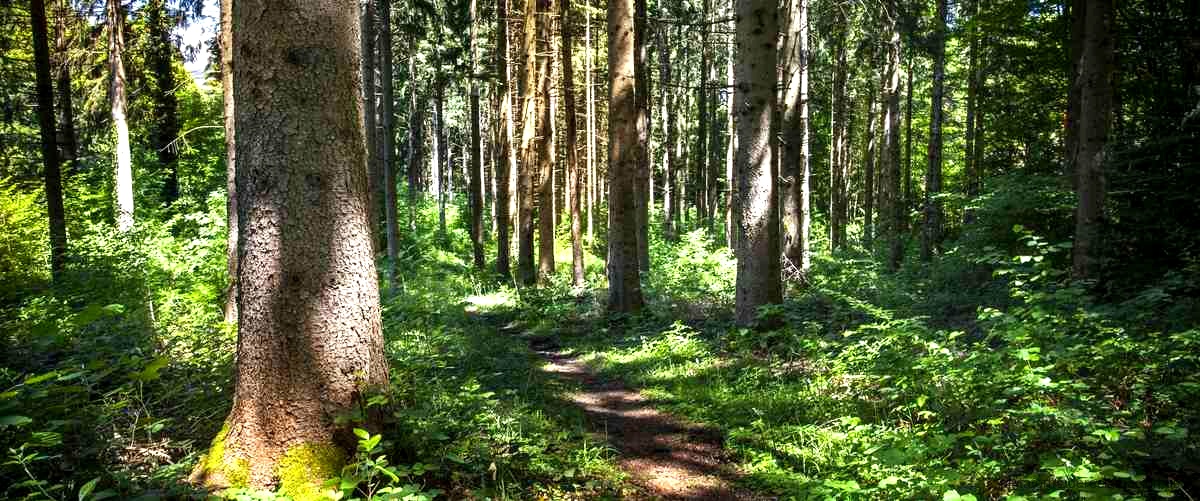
<point x="664" y="456"/>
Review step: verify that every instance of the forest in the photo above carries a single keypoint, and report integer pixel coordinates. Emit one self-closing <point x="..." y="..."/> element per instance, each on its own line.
<point x="599" y="249"/>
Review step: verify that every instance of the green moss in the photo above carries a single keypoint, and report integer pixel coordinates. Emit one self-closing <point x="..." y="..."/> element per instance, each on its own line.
<point x="305" y="468"/>
<point x="216" y="468"/>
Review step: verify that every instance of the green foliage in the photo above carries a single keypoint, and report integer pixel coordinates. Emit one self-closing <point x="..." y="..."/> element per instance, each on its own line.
<point x="24" y="238"/>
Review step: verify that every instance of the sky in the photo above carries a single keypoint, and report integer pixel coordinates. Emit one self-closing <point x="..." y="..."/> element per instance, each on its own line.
<point x="198" y="34"/>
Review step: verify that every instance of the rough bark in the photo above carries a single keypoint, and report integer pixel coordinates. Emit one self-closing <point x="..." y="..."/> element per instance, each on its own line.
<point x="837" y="145"/>
<point x="545" y="147"/>
<point x="116" y="92"/>
<point x="624" y="285"/>
<point x="503" y="143"/>
<point x="642" y="176"/>
<point x="590" y="109"/>
<point x="892" y="205"/>
<point x="670" y="198"/>
<point x="1095" y="84"/>
<point x="526" y="274"/>
<point x="231" y="205"/>
<point x="309" y="337"/>
<point x="387" y="157"/>
<point x="67" y="144"/>
<point x="476" y="180"/>
<point x="758" y="266"/>
<point x="374" y="173"/>
<point x="794" y="150"/>
<point x="50" y="161"/>
<point x="574" y="180"/>
<point x="931" y="234"/>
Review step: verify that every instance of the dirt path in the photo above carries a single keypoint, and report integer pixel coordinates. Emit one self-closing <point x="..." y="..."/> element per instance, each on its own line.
<point x="665" y="456"/>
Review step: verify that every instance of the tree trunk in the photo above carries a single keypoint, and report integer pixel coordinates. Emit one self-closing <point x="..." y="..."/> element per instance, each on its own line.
<point x="116" y="71"/>
<point x="892" y="205"/>
<point x="590" y="109"/>
<point x="1095" y="84"/>
<point x="309" y="337"/>
<point x="545" y="146"/>
<point x="374" y="174"/>
<point x="699" y="190"/>
<point x="574" y="183"/>
<point x="440" y="157"/>
<point x="732" y="211"/>
<point x="476" y="179"/>
<point x="794" y="150"/>
<point x="388" y="157"/>
<point x="758" y="267"/>
<point x="624" y="284"/>
<point x="931" y="241"/>
<point x="503" y="143"/>
<point x="642" y="91"/>
<point x="670" y="199"/>
<point x="869" y="170"/>
<point x="526" y="274"/>
<point x="166" y="117"/>
<point x="837" y="145"/>
<point x="415" y="142"/>
<point x="908" y="156"/>
<point x="67" y="145"/>
<point x="231" y="205"/>
<point x="50" y="163"/>
<point x="971" y="169"/>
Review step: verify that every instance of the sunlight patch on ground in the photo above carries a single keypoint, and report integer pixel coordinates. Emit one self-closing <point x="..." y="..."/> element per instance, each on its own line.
<point x="490" y="301"/>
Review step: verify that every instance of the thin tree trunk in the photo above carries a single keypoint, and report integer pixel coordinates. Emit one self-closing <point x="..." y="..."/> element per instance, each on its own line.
<point x="416" y="123"/>
<point x="388" y="117"/>
<point x="374" y="174"/>
<point x="590" y="93"/>
<point x="231" y="205"/>
<point x="307" y="275"/>
<point x="526" y="274"/>
<point x="758" y="266"/>
<point x="166" y="117"/>
<point x="931" y="241"/>
<point x="908" y="155"/>
<point x="503" y="143"/>
<point x="670" y="199"/>
<point x="732" y="211"/>
<point x="893" y="206"/>
<point x="794" y="151"/>
<point x="116" y="70"/>
<point x="574" y="181"/>
<point x="699" y="187"/>
<point x="50" y="162"/>
<point x="642" y="91"/>
<point x="869" y="170"/>
<point x="545" y="146"/>
<point x="1095" y="84"/>
<point x="440" y="158"/>
<point x="67" y="145"/>
<point x="624" y="284"/>
<point x="837" y="146"/>
<point x="476" y="179"/>
<point x="971" y="168"/>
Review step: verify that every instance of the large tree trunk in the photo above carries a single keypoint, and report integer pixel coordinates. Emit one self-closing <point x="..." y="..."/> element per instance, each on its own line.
<point x="931" y="241"/>
<point x="388" y="157"/>
<point x="892" y="205"/>
<point x="642" y="90"/>
<point x="116" y="73"/>
<point x="624" y="284"/>
<point x="794" y="150"/>
<point x="476" y="180"/>
<point x="50" y="163"/>
<point x="166" y="117"/>
<point x="309" y="339"/>
<point x="231" y="205"/>
<point x="1095" y="84"/>
<point x="526" y="274"/>
<point x="503" y="142"/>
<point x="758" y="266"/>
<point x="839" y="132"/>
<point x="574" y="183"/>
<point x="545" y="147"/>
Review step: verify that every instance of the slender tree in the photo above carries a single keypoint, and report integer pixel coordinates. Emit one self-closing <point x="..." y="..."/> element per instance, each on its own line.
<point x="116" y="91"/>
<point x="67" y="144"/>
<point x="839" y="134"/>
<point x="370" y="114"/>
<point x="476" y="180"/>
<point x="503" y="142"/>
<point x="892" y="205"/>
<point x="670" y="199"/>
<point x="387" y="158"/>
<point x="1094" y="83"/>
<point x="526" y="274"/>
<point x="931" y="234"/>
<point x="624" y="285"/>
<point x="50" y="161"/>
<point x="231" y="205"/>
<point x="309" y="338"/>
<point x="971" y="167"/>
<point x="642" y="176"/>
<point x="574" y="180"/>
<point x="545" y="145"/>
<point x="758" y="267"/>
<point x="868" y="235"/>
<point x="732" y="211"/>
<point x="794" y="159"/>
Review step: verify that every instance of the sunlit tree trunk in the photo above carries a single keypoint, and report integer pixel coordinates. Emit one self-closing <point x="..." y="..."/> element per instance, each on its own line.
<point x="526" y="274"/>
<point x="309" y="340"/>
<point x="574" y="180"/>
<point x="758" y="266"/>
<point x="415" y="141"/>
<point x="590" y="110"/>
<point x="440" y="156"/>
<point x="624" y="285"/>
<point x="931" y="234"/>
<point x="545" y="146"/>
<point x="116" y="75"/>
<point x="893" y="204"/>
<point x="50" y="161"/>
<point x="794" y="151"/>
<point x="732" y="211"/>
<point x="374" y="177"/>
<point x="698" y="187"/>
<point x="475" y="174"/>
<point x="1095" y="85"/>
<point x="971" y="168"/>
<point x="231" y="205"/>
<point x="869" y="167"/>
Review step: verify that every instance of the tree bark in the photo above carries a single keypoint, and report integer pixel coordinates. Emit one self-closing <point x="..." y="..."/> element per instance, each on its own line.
<point x="440" y="154"/>
<point x="906" y="202"/>
<point x="892" y="205"/>
<point x="374" y="173"/>
<point x="526" y="274"/>
<point x="67" y="144"/>
<point x="231" y="205"/>
<point x="116" y="71"/>
<point x="794" y="151"/>
<point x="869" y="170"/>
<point x="50" y="162"/>
<point x="503" y="143"/>
<point x="388" y="136"/>
<point x="670" y="198"/>
<point x="642" y="90"/>
<point x="758" y="266"/>
<point x="837" y="147"/>
<point x="970" y="168"/>
<point x="545" y="147"/>
<point x="309" y="338"/>
<point x="1095" y="84"/>
<point x="732" y="211"/>
<point x="574" y="181"/>
<point x="624" y="285"/>
<point x="931" y="241"/>
<point x="476" y="179"/>
<point x="415" y="142"/>
<point x="590" y="109"/>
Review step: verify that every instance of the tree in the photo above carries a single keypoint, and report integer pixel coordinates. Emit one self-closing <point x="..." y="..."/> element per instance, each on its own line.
<point x="624" y="285"/>
<point x="1094" y="84"/>
<point x="670" y="197"/>
<point x="370" y="109"/>
<point x="641" y="70"/>
<point x="758" y="267"/>
<point x="574" y="180"/>
<point x="228" y="109"/>
<point x="309" y="339"/>
<point x="50" y="161"/>
<point x="387" y="116"/>
<point x="116" y="75"/>
<point x="165" y="123"/>
<point x="476" y="180"/>
<point x="839" y="132"/>
<point x="504" y="143"/>
<point x="67" y="144"/>
<point x="892" y="203"/>
<point x="545" y="147"/>
<point x="795" y="151"/>
<point x="526" y="274"/>
<point x="931" y="235"/>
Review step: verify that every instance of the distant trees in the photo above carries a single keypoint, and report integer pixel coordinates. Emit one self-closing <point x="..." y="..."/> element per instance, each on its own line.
<point x="931" y="235"/>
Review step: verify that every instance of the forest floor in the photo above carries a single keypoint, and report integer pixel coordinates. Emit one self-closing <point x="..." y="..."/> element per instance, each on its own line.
<point x="667" y="457"/>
